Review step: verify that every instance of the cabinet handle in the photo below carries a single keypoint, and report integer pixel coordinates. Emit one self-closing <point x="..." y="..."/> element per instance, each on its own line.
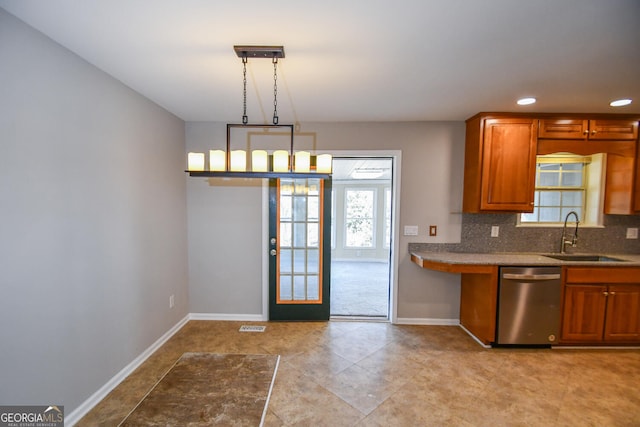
<point x="593" y="132"/>
<point x="605" y="293"/>
<point x="612" y="293"/>
<point x="586" y="131"/>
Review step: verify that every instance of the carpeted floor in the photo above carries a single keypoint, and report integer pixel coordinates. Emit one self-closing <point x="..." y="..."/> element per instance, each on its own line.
<point x="359" y="288"/>
<point x="207" y="389"/>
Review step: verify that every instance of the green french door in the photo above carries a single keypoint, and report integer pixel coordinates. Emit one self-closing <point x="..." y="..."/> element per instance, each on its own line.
<point x="299" y="248"/>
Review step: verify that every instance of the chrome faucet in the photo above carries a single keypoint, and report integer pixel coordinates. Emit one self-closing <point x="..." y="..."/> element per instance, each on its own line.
<point x="574" y="240"/>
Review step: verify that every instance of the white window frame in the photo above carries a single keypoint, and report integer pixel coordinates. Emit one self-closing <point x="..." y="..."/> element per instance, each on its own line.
<point x="593" y="186"/>
<point x="373" y="217"/>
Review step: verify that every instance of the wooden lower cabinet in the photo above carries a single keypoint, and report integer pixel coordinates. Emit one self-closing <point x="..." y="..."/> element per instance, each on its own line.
<point x="623" y="314"/>
<point x="583" y="314"/>
<point x="601" y="313"/>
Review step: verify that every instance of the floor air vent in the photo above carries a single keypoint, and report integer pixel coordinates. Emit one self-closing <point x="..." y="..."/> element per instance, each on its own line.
<point x="252" y="328"/>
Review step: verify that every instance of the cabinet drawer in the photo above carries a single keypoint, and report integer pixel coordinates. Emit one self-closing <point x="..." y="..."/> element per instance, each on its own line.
<point x="563" y="129"/>
<point x="613" y="129"/>
<point x="603" y="275"/>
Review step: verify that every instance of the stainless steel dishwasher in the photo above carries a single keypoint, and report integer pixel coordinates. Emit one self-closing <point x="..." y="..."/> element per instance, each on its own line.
<point x="528" y="305"/>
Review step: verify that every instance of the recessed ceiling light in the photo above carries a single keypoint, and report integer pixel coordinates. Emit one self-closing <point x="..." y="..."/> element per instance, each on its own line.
<point x="526" y="101"/>
<point x="620" y="102"/>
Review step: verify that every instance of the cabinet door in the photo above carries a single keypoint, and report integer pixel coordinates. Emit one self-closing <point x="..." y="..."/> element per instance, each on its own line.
<point x="623" y="313"/>
<point x="619" y="187"/>
<point x="509" y="165"/>
<point x="636" y="196"/>
<point x="563" y="129"/>
<point x="583" y="313"/>
<point x="613" y="129"/>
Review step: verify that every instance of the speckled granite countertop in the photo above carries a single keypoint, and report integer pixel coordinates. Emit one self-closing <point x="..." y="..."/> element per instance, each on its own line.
<point x="520" y="259"/>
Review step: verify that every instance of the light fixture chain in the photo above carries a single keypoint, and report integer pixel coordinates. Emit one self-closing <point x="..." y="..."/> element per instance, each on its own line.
<point x="275" y="89"/>
<point x="245" y="119"/>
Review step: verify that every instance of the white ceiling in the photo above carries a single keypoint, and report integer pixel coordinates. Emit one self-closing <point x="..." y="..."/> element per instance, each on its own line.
<point x="358" y="60"/>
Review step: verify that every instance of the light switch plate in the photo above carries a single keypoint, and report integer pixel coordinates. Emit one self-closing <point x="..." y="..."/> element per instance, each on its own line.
<point x="632" y="233"/>
<point x="495" y="231"/>
<point x="410" y="230"/>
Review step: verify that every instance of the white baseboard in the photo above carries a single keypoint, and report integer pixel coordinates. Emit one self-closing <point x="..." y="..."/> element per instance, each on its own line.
<point x="426" y="321"/>
<point x="226" y="316"/>
<point x="73" y="417"/>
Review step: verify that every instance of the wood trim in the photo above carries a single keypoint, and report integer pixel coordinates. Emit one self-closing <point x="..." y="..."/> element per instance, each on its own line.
<point x="478" y="304"/>
<point x="452" y="268"/>
<point x="603" y="275"/>
<point x="586" y="148"/>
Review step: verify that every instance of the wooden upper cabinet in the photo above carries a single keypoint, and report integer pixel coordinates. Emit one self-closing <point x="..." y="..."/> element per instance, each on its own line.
<point x="636" y="193"/>
<point x="563" y="128"/>
<point x="596" y="129"/>
<point x="500" y="164"/>
<point x="617" y="130"/>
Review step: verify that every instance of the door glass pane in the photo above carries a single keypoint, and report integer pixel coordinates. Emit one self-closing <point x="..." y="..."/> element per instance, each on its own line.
<point x="299" y="288"/>
<point x="313" y="208"/>
<point x="285" y="207"/>
<point x="299" y="235"/>
<point x="313" y="290"/>
<point x="299" y="208"/>
<point x="284" y="288"/>
<point x="313" y="235"/>
<point x="299" y="258"/>
<point x="313" y="262"/>
<point x="285" y="261"/>
<point x="285" y="234"/>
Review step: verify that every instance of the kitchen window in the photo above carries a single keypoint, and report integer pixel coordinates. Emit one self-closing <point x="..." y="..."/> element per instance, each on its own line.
<point x="566" y="183"/>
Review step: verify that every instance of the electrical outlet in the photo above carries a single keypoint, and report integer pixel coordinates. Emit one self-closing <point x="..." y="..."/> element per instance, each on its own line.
<point x="172" y="301"/>
<point x="495" y="231"/>
<point x="632" y="233"/>
<point x="433" y="230"/>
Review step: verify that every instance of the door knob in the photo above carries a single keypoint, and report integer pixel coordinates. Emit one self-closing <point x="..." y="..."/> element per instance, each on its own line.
<point x="273" y="252"/>
<point x="273" y="241"/>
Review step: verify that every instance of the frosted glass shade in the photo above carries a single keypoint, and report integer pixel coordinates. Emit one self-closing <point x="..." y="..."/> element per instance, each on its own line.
<point x="195" y="162"/>
<point x="259" y="161"/>
<point x="302" y="161"/>
<point x="238" y="161"/>
<point x="323" y="163"/>
<point x="280" y="161"/>
<point x="217" y="160"/>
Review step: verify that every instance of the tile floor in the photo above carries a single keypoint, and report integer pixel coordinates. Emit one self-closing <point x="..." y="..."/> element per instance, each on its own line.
<point x="378" y="374"/>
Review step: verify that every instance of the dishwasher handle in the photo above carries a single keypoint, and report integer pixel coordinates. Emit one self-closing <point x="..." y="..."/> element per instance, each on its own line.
<point x="515" y="276"/>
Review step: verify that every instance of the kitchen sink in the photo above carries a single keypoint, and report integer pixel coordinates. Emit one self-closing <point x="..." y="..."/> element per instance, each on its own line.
<point x="584" y="257"/>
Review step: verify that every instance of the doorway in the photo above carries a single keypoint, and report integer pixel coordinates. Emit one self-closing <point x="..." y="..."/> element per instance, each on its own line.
<point x="361" y="237"/>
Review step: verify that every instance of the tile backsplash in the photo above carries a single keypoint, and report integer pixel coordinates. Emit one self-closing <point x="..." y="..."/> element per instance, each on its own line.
<point x="476" y="236"/>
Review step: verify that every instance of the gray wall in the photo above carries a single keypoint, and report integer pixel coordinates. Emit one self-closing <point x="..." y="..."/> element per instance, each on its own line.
<point x="225" y="235"/>
<point x="225" y="217"/>
<point x="93" y="222"/>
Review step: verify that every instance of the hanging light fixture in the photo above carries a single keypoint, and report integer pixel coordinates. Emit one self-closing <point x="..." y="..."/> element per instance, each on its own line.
<point x="280" y="163"/>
